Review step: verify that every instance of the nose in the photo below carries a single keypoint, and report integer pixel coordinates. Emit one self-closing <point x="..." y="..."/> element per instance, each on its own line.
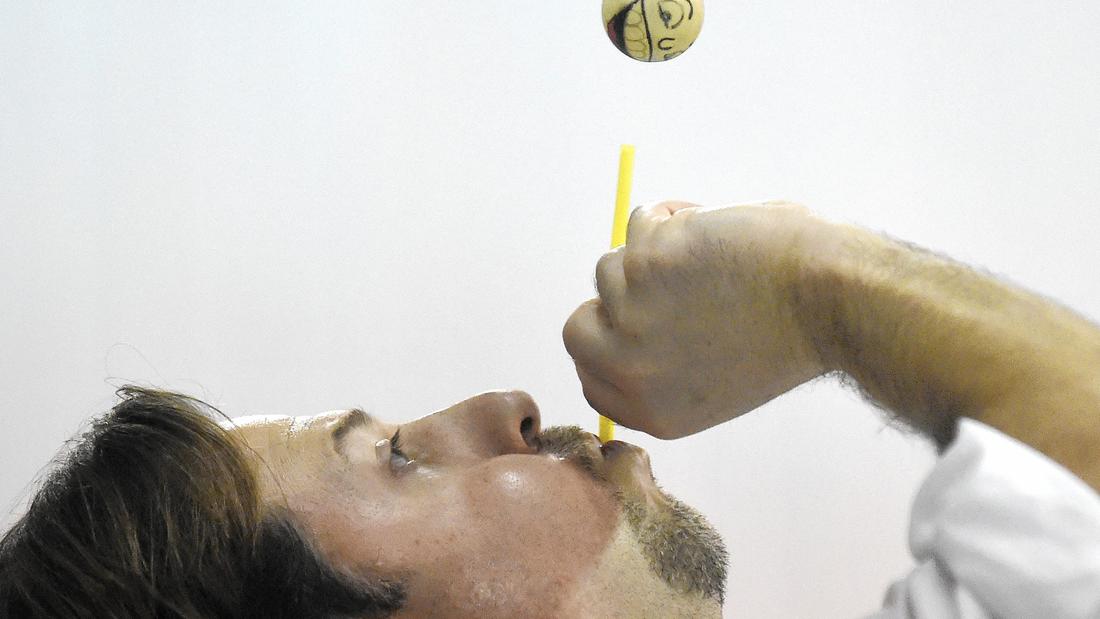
<point x="491" y="424"/>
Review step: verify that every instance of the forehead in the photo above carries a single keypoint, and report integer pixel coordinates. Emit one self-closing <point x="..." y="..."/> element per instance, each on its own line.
<point x="291" y="453"/>
<point x="288" y="423"/>
<point x="267" y="433"/>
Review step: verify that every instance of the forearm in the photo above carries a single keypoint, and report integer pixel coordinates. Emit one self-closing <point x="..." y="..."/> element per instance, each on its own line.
<point x="932" y="340"/>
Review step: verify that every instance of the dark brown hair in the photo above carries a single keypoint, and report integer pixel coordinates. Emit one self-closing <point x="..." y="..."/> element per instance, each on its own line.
<point x="156" y="512"/>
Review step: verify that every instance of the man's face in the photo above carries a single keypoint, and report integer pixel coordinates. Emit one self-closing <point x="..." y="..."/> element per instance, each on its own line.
<point x="482" y="514"/>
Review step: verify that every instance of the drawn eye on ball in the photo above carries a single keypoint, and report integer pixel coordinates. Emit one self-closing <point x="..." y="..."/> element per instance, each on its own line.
<point x="672" y="12"/>
<point x="666" y="16"/>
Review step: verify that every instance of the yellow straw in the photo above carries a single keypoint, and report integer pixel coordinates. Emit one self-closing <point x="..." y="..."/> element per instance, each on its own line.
<point x="618" y="237"/>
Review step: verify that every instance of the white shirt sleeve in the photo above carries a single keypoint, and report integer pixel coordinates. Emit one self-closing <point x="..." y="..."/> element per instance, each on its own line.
<point x="1000" y="530"/>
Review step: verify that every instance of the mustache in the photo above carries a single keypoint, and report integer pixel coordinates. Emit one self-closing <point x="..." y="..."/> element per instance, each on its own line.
<point x="571" y="443"/>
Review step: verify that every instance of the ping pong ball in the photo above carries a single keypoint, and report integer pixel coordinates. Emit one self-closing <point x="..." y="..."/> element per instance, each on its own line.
<point x="653" y="30"/>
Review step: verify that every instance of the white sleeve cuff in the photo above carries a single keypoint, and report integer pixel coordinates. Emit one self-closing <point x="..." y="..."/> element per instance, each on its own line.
<point x="999" y="526"/>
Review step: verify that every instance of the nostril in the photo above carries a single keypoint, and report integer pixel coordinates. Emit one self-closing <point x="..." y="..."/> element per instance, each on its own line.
<point x="527" y="431"/>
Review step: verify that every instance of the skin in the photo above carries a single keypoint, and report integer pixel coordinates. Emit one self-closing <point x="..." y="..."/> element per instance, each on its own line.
<point x="484" y="523"/>
<point x="673" y="344"/>
<point x="707" y="313"/>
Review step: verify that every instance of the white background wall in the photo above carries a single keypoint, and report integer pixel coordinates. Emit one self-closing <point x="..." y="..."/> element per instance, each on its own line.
<point x="285" y="208"/>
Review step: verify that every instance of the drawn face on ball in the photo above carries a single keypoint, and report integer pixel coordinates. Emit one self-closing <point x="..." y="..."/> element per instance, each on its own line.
<point x="653" y="30"/>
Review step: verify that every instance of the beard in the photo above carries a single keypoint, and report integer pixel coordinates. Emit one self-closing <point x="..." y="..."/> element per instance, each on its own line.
<point x="680" y="545"/>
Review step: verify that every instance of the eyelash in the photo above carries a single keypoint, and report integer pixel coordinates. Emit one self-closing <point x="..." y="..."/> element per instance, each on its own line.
<point x="395" y="451"/>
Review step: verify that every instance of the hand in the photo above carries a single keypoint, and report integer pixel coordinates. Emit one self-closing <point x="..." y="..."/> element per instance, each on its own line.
<point x="697" y="316"/>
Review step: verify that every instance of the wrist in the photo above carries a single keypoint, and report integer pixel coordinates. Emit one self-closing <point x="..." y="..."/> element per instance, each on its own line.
<point x="833" y="260"/>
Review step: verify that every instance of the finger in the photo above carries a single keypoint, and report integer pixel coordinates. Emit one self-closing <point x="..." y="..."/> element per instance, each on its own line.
<point x="640" y="224"/>
<point x="589" y="338"/>
<point x="611" y="283"/>
<point x="678" y="206"/>
<point x="644" y="220"/>
<point x="610" y="401"/>
<point x="604" y="397"/>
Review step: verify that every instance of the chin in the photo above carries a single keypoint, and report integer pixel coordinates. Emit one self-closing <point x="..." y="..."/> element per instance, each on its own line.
<point x="677" y="544"/>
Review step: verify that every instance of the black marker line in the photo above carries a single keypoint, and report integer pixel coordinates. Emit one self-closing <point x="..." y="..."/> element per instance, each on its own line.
<point x="648" y="37"/>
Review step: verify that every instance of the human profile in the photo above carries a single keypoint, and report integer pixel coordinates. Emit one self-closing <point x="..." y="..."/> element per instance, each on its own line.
<point x="163" y="508"/>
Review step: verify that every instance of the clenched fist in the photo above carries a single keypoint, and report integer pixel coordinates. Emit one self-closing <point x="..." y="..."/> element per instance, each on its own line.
<point x="698" y="316"/>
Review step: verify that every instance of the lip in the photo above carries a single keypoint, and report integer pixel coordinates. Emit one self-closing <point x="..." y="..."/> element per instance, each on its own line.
<point x="627" y="467"/>
<point x="624" y="465"/>
<point x="617" y="463"/>
<point x="613" y="447"/>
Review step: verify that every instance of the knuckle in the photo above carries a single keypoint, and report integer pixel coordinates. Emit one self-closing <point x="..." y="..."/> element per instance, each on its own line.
<point x="634" y="223"/>
<point x="571" y="323"/>
<point x="574" y="329"/>
<point x="635" y="266"/>
<point x="643" y="218"/>
<point x="658" y="207"/>
<point x="605" y="266"/>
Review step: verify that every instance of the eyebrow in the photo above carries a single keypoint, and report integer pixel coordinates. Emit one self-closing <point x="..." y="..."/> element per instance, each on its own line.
<point x="354" y="418"/>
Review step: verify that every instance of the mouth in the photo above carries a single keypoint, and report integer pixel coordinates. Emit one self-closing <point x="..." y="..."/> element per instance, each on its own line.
<point x="610" y="448"/>
<point x="628" y="32"/>
<point x="682" y="547"/>
<point x="624" y="466"/>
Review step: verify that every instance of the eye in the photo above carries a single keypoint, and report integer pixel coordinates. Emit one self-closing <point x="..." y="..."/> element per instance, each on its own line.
<point x="398" y="459"/>
<point x="390" y="454"/>
<point x="671" y="13"/>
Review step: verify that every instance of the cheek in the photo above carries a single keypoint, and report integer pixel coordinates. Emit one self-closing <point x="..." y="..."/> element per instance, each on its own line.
<point x="532" y="527"/>
<point x="356" y="520"/>
<point x="514" y="506"/>
<point x="527" y="501"/>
